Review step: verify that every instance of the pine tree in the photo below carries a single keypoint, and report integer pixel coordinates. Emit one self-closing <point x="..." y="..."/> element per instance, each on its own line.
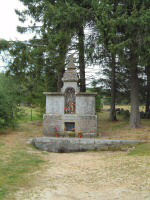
<point x="128" y="22"/>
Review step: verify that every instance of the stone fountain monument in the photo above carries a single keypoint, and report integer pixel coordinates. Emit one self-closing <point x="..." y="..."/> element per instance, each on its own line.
<point x="73" y="111"/>
<point x="70" y="109"/>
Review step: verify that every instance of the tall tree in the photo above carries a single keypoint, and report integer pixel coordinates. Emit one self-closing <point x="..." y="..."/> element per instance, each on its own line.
<point x="113" y="88"/>
<point x="127" y="29"/>
<point x="55" y="18"/>
<point x="81" y="48"/>
<point x="107" y="40"/>
<point x="51" y="34"/>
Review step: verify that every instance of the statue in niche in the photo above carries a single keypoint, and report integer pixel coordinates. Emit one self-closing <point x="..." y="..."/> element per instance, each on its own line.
<point x="70" y="104"/>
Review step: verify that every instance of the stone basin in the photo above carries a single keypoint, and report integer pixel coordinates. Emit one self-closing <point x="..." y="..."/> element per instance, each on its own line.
<point x="66" y="145"/>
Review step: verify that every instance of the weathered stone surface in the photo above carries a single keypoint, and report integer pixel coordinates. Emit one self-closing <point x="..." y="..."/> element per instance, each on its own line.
<point x="54" y="104"/>
<point x="70" y="74"/>
<point x="85" y="105"/>
<point x="89" y="135"/>
<point x="51" y="123"/>
<point x="87" y="123"/>
<point x="70" y="84"/>
<point x="83" y="123"/>
<point x="61" y="145"/>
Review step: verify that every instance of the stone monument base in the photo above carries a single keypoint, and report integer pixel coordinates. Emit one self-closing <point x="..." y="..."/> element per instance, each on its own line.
<point x="86" y="124"/>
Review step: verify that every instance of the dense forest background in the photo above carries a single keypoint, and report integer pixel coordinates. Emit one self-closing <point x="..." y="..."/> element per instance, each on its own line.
<point x="111" y="35"/>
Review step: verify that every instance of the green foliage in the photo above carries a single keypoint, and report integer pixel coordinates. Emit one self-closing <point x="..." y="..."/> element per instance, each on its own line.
<point x="99" y="103"/>
<point x="124" y="27"/>
<point x="59" y="25"/>
<point x="99" y="96"/>
<point x="8" y="101"/>
<point x="4" y="45"/>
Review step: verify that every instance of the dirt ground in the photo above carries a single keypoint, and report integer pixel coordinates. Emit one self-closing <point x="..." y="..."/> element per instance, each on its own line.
<point x="91" y="176"/>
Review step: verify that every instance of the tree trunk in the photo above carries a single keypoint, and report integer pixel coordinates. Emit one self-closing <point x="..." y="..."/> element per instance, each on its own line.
<point x="59" y="80"/>
<point x="113" y="88"/>
<point x="61" y="65"/>
<point x="81" y="59"/>
<point x="135" y="114"/>
<point x="147" y="106"/>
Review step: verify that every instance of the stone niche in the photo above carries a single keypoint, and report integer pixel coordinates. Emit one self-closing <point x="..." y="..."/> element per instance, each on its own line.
<point x="70" y="109"/>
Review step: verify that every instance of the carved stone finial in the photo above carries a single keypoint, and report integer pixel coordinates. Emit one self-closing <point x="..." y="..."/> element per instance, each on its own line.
<point x="71" y="64"/>
<point x="70" y="74"/>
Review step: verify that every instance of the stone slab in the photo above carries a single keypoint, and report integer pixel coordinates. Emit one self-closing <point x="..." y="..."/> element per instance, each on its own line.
<point x="66" y="145"/>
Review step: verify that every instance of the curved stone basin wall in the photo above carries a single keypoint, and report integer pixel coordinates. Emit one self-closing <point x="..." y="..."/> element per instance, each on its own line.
<point x="62" y="145"/>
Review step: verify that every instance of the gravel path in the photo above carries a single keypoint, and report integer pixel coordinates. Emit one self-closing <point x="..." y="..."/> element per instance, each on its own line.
<point x="91" y="176"/>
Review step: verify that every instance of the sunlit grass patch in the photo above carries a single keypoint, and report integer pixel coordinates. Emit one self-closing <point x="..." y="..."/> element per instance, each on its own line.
<point x="107" y="125"/>
<point x="125" y="107"/>
<point x="141" y="150"/>
<point x="28" y="114"/>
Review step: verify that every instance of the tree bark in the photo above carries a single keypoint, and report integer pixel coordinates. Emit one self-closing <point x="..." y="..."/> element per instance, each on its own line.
<point x="61" y="65"/>
<point x="113" y="88"/>
<point x="81" y="59"/>
<point x="59" y="80"/>
<point x="147" y="106"/>
<point x="134" y="95"/>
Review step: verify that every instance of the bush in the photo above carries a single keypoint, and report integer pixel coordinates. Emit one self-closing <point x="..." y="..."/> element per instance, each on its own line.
<point x="8" y="101"/>
<point x="99" y="104"/>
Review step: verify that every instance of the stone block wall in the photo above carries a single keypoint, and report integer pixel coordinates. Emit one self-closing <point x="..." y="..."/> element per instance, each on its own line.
<point x="84" y="124"/>
<point x="50" y="123"/>
<point x="85" y="104"/>
<point x="55" y="104"/>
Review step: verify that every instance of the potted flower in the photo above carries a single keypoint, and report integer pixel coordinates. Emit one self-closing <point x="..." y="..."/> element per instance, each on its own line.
<point x="57" y="130"/>
<point x="80" y="135"/>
